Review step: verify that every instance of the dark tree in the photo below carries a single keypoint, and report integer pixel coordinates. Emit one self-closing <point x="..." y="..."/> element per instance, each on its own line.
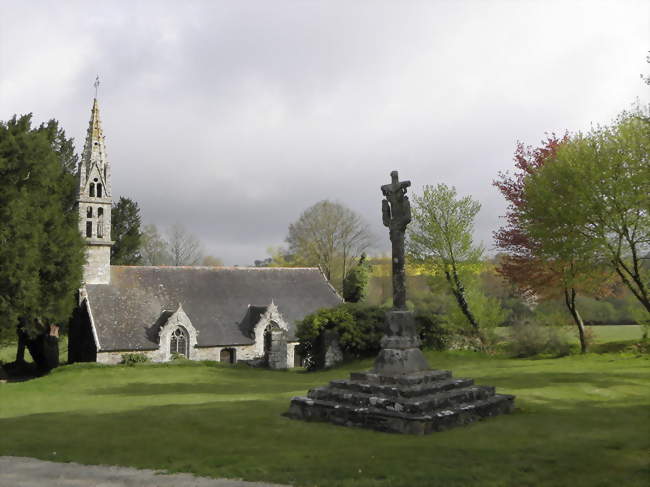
<point x="355" y="283"/>
<point x="41" y="250"/>
<point x="125" y="231"/>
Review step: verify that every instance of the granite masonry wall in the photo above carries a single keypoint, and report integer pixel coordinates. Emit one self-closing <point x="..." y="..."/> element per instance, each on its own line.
<point x="242" y="352"/>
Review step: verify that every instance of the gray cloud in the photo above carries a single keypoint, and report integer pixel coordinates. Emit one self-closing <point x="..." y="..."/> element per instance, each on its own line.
<point x="234" y="117"/>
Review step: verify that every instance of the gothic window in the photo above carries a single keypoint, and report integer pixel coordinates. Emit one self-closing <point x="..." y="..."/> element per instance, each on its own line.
<point x="179" y="342"/>
<point x="100" y="223"/>
<point x="92" y="189"/>
<point x="89" y="212"/>
<point x="89" y="229"/>
<point x="99" y="190"/>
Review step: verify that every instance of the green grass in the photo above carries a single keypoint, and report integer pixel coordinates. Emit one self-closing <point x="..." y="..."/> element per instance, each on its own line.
<point x="580" y="421"/>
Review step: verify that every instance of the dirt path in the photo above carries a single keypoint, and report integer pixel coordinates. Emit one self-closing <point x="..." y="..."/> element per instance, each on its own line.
<point x="30" y="472"/>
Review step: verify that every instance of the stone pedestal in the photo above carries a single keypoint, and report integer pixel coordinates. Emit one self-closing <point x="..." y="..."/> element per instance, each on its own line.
<point x="401" y="394"/>
<point x="400" y="347"/>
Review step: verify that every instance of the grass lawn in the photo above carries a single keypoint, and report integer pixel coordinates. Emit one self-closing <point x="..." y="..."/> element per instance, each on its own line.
<point x="580" y="421"/>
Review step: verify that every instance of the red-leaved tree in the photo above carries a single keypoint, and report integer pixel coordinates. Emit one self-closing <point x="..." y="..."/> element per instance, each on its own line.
<point x="536" y="274"/>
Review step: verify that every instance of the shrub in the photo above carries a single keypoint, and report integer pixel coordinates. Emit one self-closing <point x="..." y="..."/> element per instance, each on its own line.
<point x="488" y="313"/>
<point x="533" y="337"/>
<point x="134" y="358"/>
<point x="433" y="333"/>
<point x="358" y="328"/>
<point x="178" y="356"/>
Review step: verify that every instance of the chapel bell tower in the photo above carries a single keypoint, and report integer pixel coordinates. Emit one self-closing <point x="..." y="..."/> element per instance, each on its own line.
<point x="94" y="202"/>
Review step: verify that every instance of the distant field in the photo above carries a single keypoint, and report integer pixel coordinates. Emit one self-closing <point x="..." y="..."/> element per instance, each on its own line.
<point x="602" y="334"/>
<point x="616" y="333"/>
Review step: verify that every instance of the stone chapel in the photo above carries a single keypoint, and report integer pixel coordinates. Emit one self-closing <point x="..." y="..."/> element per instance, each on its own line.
<point x="226" y="314"/>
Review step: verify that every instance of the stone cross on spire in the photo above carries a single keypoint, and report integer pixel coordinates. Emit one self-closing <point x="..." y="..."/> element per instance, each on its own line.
<point x="396" y="214"/>
<point x="96" y="85"/>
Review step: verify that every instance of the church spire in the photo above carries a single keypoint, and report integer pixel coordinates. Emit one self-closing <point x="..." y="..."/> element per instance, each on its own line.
<point x="94" y="201"/>
<point x="94" y="154"/>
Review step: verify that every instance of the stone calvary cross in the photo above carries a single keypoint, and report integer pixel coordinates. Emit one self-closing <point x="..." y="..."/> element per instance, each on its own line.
<point x="396" y="214"/>
<point x="400" y="394"/>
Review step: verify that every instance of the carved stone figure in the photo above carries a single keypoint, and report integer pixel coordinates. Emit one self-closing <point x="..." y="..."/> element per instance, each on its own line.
<point x="396" y="215"/>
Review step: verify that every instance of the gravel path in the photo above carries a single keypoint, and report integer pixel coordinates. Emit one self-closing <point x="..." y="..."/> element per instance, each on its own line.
<point x="30" y="472"/>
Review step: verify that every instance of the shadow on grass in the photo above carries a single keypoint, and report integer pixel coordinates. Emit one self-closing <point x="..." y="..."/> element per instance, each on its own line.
<point x="565" y="443"/>
<point x="149" y="389"/>
<point x="538" y="380"/>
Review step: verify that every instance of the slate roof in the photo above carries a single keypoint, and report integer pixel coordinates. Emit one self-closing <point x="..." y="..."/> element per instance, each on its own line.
<point x="223" y="303"/>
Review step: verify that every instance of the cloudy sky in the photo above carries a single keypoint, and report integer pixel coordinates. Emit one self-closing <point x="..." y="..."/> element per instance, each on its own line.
<point x="233" y="117"/>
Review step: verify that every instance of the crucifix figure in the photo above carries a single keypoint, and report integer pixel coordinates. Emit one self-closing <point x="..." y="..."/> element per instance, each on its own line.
<point x="96" y="85"/>
<point x="396" y="214"/>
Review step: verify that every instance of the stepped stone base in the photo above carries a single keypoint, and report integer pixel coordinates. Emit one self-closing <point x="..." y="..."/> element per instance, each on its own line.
<point x="416" y="403"/>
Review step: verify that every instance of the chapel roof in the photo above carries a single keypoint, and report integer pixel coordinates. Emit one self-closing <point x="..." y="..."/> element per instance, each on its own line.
<point x="223" y="303"/>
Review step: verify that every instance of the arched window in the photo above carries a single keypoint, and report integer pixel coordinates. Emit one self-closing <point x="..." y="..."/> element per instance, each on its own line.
<point x="179" y="342"/>
<point x="100" y="223"/>
<point x="92" y="189"/>
<point x="89" y="212"/>
<point x="89" y="229"/>
<point x="99" y="190"/>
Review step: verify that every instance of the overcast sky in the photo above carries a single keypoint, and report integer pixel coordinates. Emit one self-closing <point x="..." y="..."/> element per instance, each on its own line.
<point x="234" y="117"/>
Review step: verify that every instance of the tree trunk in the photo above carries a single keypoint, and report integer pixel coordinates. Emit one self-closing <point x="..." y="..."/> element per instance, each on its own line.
<point x="570" y="300"/>
<point x="458" y="290"/>
<point x="20" y="349"/>
<point x="639" y="291"/>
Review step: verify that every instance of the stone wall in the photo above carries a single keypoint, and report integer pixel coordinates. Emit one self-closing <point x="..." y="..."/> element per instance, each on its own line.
<point x="112" y="358"/>
<point x="97" y="269"/>
<point x="242" y="352"/>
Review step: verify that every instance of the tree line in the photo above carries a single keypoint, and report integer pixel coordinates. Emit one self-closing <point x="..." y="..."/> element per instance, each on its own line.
<point x="136" y="244"/>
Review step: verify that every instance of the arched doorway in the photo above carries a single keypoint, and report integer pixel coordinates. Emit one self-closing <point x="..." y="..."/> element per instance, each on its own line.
<point x="179" y="342"/>
<point x="227" y="356"/>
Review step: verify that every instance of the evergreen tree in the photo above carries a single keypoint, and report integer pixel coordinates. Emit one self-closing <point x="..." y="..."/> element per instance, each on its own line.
<point x="41" y="250"/>
<point x="125" y="231"/>
<point x="355" y="283"/>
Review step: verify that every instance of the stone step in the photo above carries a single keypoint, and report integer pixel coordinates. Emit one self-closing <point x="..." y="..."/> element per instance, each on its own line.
<point x="309" y="409"/>
<point x="412" y="379"/>
<point x="413" y="405"/>
<point x="397" y="391"/>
